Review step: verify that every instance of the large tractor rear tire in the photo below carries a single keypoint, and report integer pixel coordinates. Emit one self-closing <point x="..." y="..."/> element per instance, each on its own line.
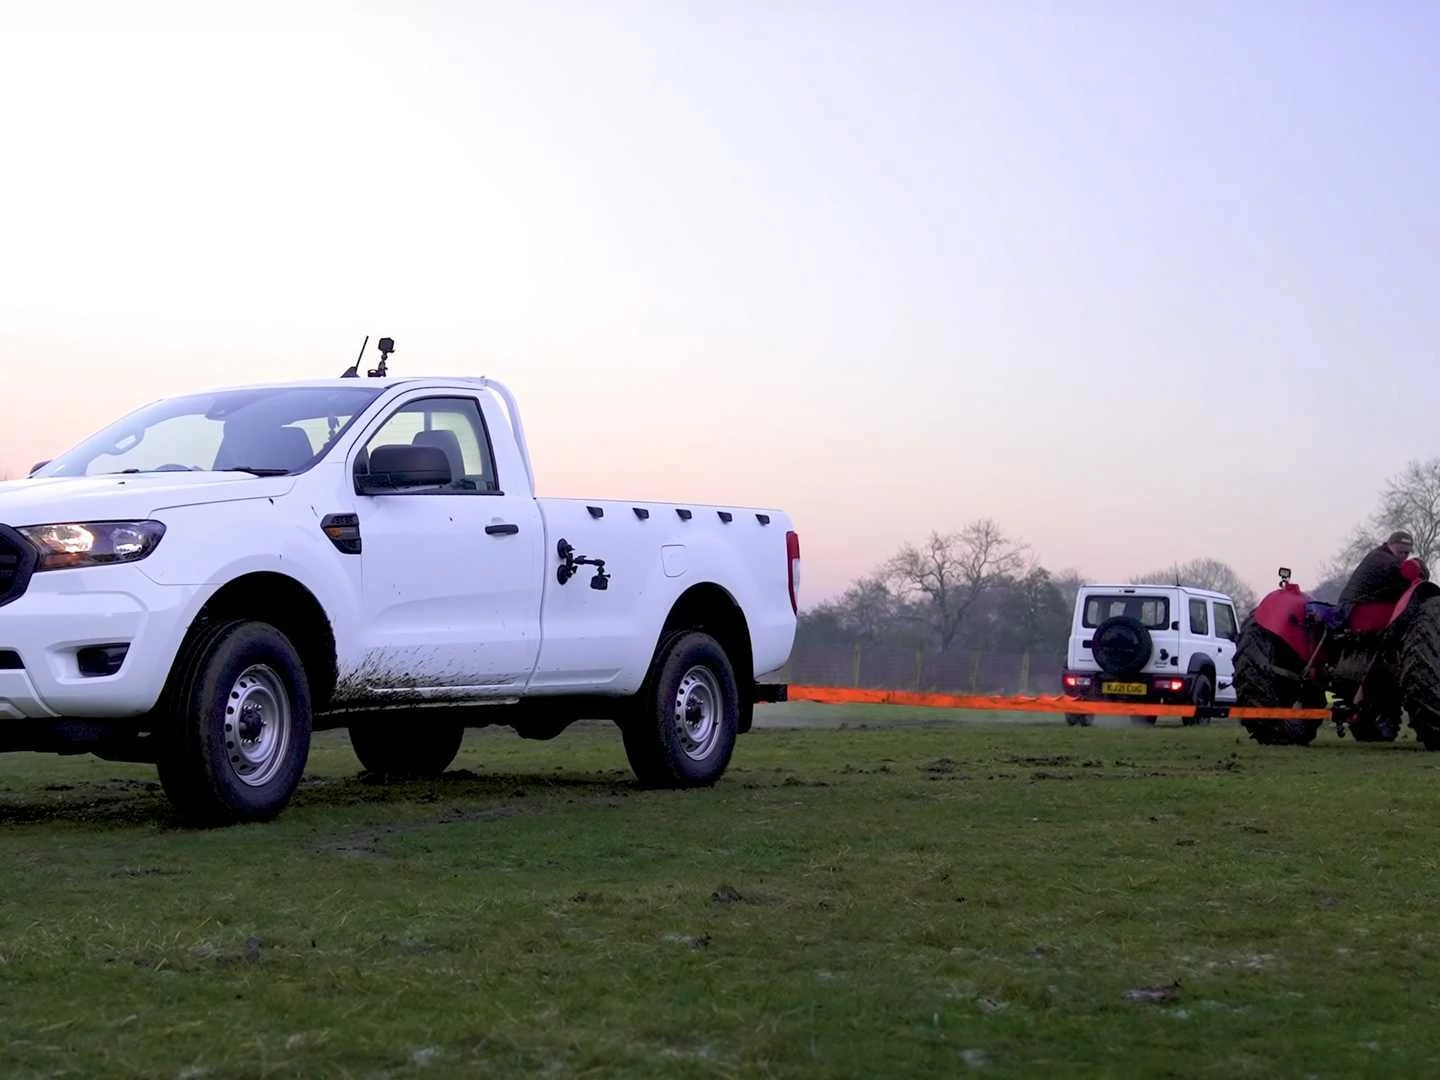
<point x="1261" y="661"/>
<point x="1420" y="673"/>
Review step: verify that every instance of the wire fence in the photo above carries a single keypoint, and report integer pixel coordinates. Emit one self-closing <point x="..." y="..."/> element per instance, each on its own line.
<point x="878" y="667"/>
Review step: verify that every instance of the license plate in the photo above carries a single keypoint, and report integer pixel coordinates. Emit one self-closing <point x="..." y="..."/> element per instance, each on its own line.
<point x="1136" y="688"/>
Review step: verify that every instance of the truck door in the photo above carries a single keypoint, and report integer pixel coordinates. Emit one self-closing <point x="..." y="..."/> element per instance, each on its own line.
<point x="451" y="572"/>
<point x="1227" y="633"/>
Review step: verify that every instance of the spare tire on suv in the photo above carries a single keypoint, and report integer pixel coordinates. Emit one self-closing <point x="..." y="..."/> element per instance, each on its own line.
<point x="1121" y="645"/>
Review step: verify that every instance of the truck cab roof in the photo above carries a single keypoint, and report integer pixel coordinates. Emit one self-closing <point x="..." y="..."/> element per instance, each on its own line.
<point x="1150" y="588"/>
<point x="336" y="383"/>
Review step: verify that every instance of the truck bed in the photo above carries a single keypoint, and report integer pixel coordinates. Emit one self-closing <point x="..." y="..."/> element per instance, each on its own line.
<point x="653" y="552"/>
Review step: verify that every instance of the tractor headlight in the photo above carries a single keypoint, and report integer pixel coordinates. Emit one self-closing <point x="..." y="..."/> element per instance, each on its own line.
<point x="92" y="543"/>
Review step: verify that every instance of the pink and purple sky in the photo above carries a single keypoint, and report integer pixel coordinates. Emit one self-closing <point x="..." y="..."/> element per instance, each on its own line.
<point x="1141" y="282"/>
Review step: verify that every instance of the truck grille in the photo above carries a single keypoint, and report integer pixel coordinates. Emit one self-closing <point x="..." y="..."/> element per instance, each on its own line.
<point x="17" y="563"/>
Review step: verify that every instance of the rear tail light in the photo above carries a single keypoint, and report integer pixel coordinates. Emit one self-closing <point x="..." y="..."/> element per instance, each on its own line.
<point x="1077" y="680"/>
<point x="1170" y="684"/>
<point x="792" y="559"/>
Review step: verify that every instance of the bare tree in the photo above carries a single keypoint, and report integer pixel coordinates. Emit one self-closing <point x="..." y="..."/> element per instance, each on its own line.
<point x="1206" y="574"/>
<point x="1328" y="591"/>
<point x="1069" y="582"/>
<point x="1043" y="610"/>
<point x="1361" y="540"/>
<point x="951" y="571"/>
<point x="869" y="610"/>
<point x="1410" y="501"/>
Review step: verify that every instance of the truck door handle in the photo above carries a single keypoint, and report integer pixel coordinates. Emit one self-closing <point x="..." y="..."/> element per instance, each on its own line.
<point x="502" y="530"/>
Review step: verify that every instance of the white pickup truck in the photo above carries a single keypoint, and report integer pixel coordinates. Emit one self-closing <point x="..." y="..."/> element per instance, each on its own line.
<point x="210" y="579"/>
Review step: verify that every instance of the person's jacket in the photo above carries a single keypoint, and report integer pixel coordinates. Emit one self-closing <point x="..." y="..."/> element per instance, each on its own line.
<point x="1378" y="577"/>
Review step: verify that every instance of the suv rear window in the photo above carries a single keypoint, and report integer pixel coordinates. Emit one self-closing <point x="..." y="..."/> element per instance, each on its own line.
<point x="1152" y="611"/>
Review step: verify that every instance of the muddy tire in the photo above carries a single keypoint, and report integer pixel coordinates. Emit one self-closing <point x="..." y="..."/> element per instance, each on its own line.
<point x="406" y="749"/>
<point x="235" y="722"/>
<point x="682" y="730"/>
<point x="1420" y="673"/>
<point x="1262" y="662"/>
<point x="1373" y="729"/>
<point x="1203" y="695"/>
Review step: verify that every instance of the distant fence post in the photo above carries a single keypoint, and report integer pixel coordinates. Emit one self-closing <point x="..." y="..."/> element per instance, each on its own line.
<point x="919" y="667"/>
<point x="1025" y="673"/>
<point x="855" y="666"/>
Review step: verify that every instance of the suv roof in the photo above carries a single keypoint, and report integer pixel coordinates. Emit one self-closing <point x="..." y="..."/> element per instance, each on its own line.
<point x="1133" y="587"/>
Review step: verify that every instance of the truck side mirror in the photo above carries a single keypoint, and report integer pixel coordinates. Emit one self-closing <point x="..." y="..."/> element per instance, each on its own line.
<point x="402" y="468"/>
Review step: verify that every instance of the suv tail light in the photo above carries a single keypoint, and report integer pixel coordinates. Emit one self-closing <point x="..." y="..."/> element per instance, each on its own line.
<point x="792" y="559"/>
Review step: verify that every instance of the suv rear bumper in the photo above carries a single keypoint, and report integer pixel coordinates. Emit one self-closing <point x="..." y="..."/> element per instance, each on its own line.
<point x="1171" y="689"/>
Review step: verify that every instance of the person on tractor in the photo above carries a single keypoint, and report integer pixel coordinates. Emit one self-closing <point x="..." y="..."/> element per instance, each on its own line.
<point x="1379" y="577"/>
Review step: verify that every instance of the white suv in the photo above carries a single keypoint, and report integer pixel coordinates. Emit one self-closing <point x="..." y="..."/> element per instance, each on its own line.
<point x="1161" y="644"/>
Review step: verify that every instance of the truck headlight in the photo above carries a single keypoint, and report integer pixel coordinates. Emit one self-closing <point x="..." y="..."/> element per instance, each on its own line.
<point x="92" y="543"/>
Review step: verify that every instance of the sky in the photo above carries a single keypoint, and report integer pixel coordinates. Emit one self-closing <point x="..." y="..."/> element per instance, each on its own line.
<point x="1141" y="282"/>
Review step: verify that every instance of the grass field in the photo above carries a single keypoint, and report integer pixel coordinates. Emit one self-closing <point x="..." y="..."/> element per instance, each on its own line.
<point x="866" y="894"/>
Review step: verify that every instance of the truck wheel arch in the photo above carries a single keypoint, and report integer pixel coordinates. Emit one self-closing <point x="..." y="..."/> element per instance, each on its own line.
<point x="291" y="608"/>
<point x="1201" y="664"/>
<point x="711" y="609"/>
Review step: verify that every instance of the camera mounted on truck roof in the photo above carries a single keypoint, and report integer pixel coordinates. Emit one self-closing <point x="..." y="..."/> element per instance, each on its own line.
<point x="386" y="346"/>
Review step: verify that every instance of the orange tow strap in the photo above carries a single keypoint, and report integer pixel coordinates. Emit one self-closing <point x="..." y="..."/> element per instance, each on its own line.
<point x="833" y="695"/>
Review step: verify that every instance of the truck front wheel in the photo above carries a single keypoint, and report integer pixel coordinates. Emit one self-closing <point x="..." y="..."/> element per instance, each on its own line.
<point x="683" y="728"/>
<point x="236" y="725"/>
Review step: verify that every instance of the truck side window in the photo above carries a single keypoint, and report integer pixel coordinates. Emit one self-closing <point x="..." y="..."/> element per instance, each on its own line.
<point x="1199" y="619"/>
<point x="1225" y="622"/>
<point x="453" y="425"/>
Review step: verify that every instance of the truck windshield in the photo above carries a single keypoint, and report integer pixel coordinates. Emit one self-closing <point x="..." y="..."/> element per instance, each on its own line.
<point x="268" y="431"/>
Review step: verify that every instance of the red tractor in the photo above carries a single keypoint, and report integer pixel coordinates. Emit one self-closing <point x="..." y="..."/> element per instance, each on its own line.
<point x="1379" y="659"/>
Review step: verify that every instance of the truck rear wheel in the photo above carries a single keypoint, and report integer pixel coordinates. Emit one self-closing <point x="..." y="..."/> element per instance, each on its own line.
<point x="1420" y="673"/>
<point x="683" y="729"/>
<point x="1203" y="696"/>
<point x="236" y="723"/>
<point x="422" y="748"/>
<point x="1261" y="681"/>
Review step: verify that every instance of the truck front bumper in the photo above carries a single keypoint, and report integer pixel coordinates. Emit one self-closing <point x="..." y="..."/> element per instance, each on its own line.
<point x="96" y="642"/>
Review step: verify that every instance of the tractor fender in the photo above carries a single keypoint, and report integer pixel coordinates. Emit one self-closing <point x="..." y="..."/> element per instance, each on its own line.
<point x="1282" y="614"/>
<point x="1420" y="591"/>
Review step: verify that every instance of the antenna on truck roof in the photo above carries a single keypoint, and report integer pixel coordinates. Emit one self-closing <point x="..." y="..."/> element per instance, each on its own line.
<point x="353" y="372"/>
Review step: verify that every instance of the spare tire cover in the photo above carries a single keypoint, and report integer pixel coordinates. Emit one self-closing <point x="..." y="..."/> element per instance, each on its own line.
<point x="1122" y="645"/>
